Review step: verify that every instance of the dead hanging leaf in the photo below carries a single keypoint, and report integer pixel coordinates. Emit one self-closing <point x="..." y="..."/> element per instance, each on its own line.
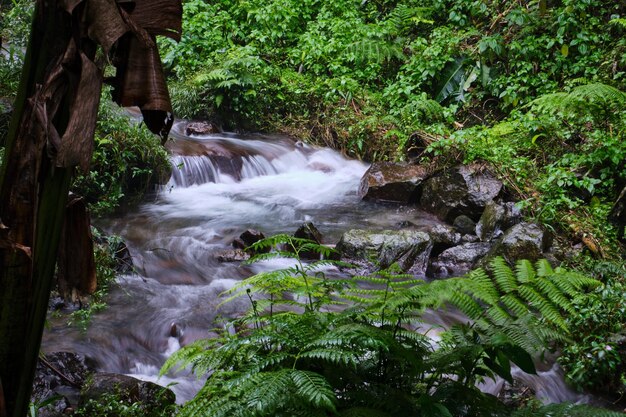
<point x="158" y="17"/>
<point x="77" y="141"/>
<point x="105" y="25"/>
<point x="139" y="81"/>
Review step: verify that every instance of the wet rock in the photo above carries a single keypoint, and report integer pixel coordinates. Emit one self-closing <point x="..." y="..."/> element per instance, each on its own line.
<point x="488" y="227"/>
<point x="496" y="218"/>
<point x="248" y="238"/>
<point x="309" y="231"/>
<point x="463" y="190"/>
<point x="443" y="237"/>
<point x="464" y="225"/>
<point x="128" y="389"/>
<point x="512" y="215"/>
<point x="409" y="248"/>
<point x="458" y="260"/>
<point x="60" y="374"/>
<point x="201" y="128"/>
<point x="392" y="182"/>
<point x="469" y="239"/>
<point x="522" y="241"/>
<point x="123" y="259"/>
<point x="233" y="255"/>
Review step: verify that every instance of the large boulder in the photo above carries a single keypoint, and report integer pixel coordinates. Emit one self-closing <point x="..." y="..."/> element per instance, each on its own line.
<point x="127" y="389"/>
<point x="522" y="241"/>
<point x="458" y="260"/>
<point x="409" y="248"/>
<point x="393" y="182"/>
<point x="462" y="190"/>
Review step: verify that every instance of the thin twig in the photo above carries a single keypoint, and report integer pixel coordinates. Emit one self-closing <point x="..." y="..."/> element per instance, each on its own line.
<point x="59" y="373"/>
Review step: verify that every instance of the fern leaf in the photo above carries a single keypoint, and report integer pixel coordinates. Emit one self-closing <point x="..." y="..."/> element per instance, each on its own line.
<point x="524" y="271"/>
<point x="314" y="389"/>
<point x="375" y="50"/>
<point x="335" y="356"/>
<point x="503" y="275"/>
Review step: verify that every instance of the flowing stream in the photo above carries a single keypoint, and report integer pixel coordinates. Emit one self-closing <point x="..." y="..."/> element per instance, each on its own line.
<point x="222" y="185"/>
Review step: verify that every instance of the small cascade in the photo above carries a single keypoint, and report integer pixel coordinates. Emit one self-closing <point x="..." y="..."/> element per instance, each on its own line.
<point x="222" y="185"/>
<point x="227" y="160"/>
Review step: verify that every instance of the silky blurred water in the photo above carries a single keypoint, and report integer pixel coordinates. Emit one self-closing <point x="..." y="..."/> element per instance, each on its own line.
<point x="222" y="185"/>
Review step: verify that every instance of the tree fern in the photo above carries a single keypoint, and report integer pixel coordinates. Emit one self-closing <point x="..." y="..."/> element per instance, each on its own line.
<point x="367" y="358"/>
<point x="596" y="100"/>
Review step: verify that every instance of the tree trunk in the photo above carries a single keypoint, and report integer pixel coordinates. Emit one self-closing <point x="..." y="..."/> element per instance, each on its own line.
<point x="51" y="133"/>
<point x="32" y="192"/>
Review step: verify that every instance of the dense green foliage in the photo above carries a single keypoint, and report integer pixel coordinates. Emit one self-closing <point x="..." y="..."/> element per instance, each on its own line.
<point x="507" y="82"/>
<point x="350" y="66"/>
<point x="536" y="89"/>
<point x="127" y="162"/>
<point x="597" y="359"/>
<point x="367" y="358"/>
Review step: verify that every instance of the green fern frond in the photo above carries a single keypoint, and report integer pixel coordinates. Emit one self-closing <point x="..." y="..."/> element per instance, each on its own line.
<point x="334" y="356"/>
<point x="467" y="304"/>
<point x="596" y="100"/>
<point x="404" y="17"/>
<point x="618" y="21"/>
<point x="313" y="389"/>
<point x="503" y="275"/>
<point x="374" y="50"/>
<point x="265" y="391"/>
<point x="544" y="269"/>
<point x="524" y="271"/>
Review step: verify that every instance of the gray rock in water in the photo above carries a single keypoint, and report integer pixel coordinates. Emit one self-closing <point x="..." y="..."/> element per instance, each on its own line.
<point x="458" y="260"/>
<point x="127" y="388"/>
<point x="392" y="182"/>
<point x="248" y="238"/>
<point x="233" y="255"/>
<point x="522" y="241"/>
<point x="409" y="248"/>
<point x="201" y="128"/>
<point x="463" y="190"/>
<point x="464" y="225"/>
<point x="310" y="232"/>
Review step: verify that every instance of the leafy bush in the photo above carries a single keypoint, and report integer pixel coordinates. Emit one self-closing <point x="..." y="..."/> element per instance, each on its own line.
<point x="118" y="404"/>
<point x="597" y="359"/>
<point x="127" y="161"/>
<point x="353" y="350"/>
